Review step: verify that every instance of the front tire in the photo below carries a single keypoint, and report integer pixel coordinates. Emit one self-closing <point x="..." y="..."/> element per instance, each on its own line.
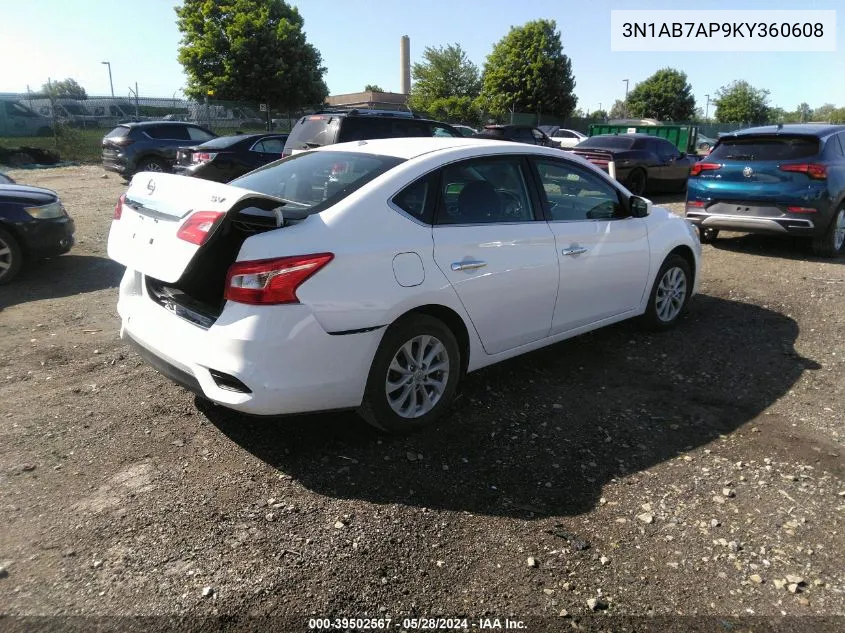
<point x="832" y="243"/>
<point x="414" y="375"/>
<point x="11" y="257"/>
<point x="670" y="294"/>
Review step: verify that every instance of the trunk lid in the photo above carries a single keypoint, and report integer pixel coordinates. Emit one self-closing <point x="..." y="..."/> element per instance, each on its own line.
<point x="184" y="155"/>
<point x="145" y="236"/>
<point x="758" y="167"/>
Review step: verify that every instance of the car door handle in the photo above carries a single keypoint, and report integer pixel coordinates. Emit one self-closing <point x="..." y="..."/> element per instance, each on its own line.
<point x="470" y="264"/>
<point x="575" y="250"/>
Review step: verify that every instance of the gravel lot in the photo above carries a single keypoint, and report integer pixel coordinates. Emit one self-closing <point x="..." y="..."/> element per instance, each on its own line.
<point x="697" y="472"/>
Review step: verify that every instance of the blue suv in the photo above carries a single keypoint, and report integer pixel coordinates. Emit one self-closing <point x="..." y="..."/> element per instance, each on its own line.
<point x="784" y="179"/>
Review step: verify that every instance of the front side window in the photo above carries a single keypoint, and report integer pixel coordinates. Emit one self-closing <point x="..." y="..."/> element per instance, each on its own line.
<point x="573" y="194"/>
<point x="439" y="130"/>
<point x="484" y="191"/>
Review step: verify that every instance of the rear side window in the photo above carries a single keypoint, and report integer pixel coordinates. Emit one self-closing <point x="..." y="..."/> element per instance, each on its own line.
<point x="119" y="132"/>
<point x="751" y="148"/>
<point x="313" y="131"/>
<point x="198" y="134"/>
<point x="169" y="132"/>
<point x="313" y="181"/>
<point x="418" y="199"/>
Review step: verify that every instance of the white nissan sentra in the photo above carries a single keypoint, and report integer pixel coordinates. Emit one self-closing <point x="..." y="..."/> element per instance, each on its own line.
<point x="373" y="275"/>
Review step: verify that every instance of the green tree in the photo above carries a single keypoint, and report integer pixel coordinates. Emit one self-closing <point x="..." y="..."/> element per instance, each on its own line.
<point x="598" y="115"/>
<point x="665" y="96"/>
<point x="804" y="112"/>
<point x="445" y="74"/>
<point x="824" y="112"/>
<point x="67" y="89"/>
<point x="528" y="72"/>
<point x="373" y="88"/>
<point x="251" y="50"/>
<point x="740" y="102"/>
<point x="618" y="110"/>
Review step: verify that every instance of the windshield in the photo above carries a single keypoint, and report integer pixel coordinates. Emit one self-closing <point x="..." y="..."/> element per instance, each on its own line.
<point x="611" y="142"/>
<point x="223" y="142"/>
<point x="748" y="148"/>
<point x="313" y="181"/>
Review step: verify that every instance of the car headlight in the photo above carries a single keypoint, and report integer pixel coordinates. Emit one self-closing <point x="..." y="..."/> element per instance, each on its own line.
<point x="47" y="211"/>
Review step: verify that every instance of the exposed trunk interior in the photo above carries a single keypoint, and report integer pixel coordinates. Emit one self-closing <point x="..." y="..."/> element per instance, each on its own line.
<point x="198" y="296"/>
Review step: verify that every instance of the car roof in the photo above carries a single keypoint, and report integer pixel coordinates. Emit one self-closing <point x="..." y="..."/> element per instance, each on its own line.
<point x="156" y="123"/>
<point x="410" y="148"/>
<point x="812" y="129"/>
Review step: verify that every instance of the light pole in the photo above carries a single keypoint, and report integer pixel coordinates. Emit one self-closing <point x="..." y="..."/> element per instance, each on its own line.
<point x="707" y="108"/>
<point x="111" y="85"/>
<point x="626" y="98"/>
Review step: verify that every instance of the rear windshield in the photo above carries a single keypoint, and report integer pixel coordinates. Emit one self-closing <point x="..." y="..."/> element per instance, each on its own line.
<point x="749" y="148"/>
<point x="611" y="142"/>
<point x="223" y="142"/>
<point x="313" y="181"/>
<point x="118" y="132"/>
<point x="493" y="131"/>
<point x="313" y="131"/>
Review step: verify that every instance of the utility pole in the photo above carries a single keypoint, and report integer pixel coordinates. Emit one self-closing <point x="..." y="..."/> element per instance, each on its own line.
<point x="626" y="98"/>
<point x="707" y="108"/>
<point x="111" y="85"/>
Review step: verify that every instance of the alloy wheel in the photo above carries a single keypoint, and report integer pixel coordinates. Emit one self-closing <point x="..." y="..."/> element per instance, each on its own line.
<point x="5" y="256"/>
<point x="417" y="376"/>
<point x="839" y="230"/>
<point x="671" y="293"/>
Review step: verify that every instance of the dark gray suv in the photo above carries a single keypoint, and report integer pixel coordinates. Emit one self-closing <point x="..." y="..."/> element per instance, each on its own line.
<point x="149" y="145"/>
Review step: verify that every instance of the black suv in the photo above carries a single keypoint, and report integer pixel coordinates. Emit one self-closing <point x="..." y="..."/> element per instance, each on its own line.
<point x="149" y="145"/>
<point x="339" y="126"/>
<point x="518" y="134"/>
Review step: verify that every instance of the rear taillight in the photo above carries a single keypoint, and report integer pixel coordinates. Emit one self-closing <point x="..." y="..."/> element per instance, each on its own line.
<point x="801" y="209"/>
<point x="202" y="157"/>
<point x="695" y="204"/>
<point x="122" y="141"/>
<point x="199" y="226"/>
<point x="272" y="281"/>
<point x="813" y="170"/>
<point x="700" y="167"/>
<point x="118" y="208"/>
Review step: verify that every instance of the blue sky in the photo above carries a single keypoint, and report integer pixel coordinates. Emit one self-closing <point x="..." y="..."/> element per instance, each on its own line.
<point x="359" y="42"/>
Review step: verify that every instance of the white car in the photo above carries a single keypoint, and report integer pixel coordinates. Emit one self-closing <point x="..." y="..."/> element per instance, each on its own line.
<point x="373" y="275"/>
<point x="563" y="137"/>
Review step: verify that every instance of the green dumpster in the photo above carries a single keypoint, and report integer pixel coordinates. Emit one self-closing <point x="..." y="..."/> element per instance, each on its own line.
<point x="681" y="136"/>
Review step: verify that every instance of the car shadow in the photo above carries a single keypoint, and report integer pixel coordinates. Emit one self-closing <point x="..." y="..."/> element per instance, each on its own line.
<point x="60" y="277"/>
<point x="659" y="199"/>
<point x="541" y="434"/>
<point x="781" y="247"/>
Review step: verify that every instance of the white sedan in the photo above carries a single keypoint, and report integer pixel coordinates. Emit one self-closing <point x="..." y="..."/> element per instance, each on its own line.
<point x="373" y="275"/>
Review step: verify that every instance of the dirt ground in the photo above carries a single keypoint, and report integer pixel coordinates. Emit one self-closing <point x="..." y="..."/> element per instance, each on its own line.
<point x="698" y="472"/>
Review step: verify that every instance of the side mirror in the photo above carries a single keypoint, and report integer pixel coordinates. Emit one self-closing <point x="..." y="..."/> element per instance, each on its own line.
<point x="640" y="207"/>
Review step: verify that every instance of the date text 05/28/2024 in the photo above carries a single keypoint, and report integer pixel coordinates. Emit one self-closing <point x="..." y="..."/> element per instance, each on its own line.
<point x="415" y="624"/>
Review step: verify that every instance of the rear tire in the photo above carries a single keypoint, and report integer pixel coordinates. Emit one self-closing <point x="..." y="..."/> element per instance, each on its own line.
<point x="414" y="375"/>
<point x="11" y="257"/>
<point x="637" y="181"/>
<point x="152" y="164"/>
<point x="707" y="236"/>
<point x="832" y="243"/>
<point x="670" y="294"/>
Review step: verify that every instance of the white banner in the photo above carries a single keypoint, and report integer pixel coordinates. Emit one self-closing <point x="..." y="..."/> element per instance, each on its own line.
<point x="723" y="31"/>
